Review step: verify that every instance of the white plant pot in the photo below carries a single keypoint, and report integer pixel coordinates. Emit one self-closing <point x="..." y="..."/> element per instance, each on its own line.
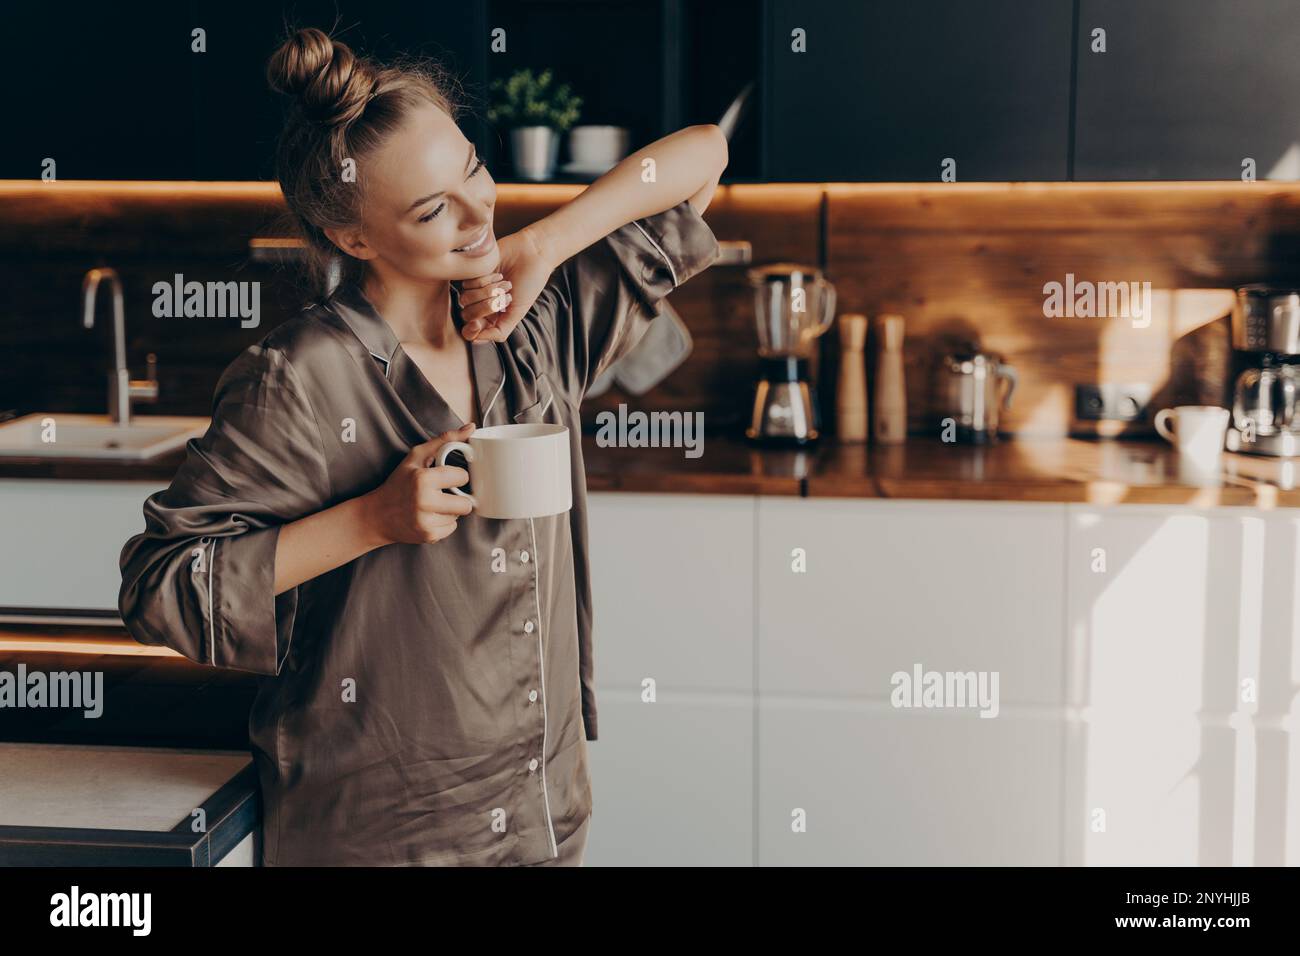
<point x="535" y="150"/>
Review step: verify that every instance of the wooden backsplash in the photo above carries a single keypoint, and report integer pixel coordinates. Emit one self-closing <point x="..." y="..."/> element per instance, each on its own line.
<point x="958" y="261"/>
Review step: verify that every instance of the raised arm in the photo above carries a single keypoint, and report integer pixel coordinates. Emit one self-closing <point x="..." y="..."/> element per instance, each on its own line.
<point x="680" y="168"/>
<point x="686" y="165"/>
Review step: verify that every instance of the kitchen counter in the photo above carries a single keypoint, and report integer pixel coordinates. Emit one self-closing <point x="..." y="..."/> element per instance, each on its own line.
<point x="1056" y="470"/>
<point x="1059" y="470"/>
<point x="70" y="805"/>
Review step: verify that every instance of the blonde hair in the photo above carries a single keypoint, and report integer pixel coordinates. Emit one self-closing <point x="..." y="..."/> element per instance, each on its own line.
<point x="343" y="107"/>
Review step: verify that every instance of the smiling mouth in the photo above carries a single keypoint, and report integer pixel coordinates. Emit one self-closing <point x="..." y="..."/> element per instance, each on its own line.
<point x="479" y="243"/>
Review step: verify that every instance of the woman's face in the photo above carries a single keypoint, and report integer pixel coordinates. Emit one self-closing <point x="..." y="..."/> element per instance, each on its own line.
<point x="427" y="210"/>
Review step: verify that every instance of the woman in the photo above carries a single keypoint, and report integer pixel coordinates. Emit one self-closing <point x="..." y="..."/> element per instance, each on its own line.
<point x="427" y="691"/>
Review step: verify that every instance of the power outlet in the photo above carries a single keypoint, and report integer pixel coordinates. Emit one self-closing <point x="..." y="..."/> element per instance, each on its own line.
<point x="1111" y="403"/>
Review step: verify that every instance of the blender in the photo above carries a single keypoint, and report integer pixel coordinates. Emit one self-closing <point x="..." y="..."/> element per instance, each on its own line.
<point x="793" y="305"/>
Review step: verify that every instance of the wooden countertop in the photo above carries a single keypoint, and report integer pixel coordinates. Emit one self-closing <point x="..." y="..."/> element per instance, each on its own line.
<point x="1060" y="470"/>
<point x="111" y="788"/>
<point x="1056" y="470"/>
<point x="104" y="805"/>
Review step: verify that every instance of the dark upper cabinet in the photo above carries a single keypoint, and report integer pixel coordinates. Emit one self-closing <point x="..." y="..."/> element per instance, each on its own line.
<point x="886" y="91"/>
<point x="121" y="93"/>
<point x="238" y="117"/>
<point x="721" y="55"/>
<point x="101" y="93"/>
<point x="1187" y="89"/>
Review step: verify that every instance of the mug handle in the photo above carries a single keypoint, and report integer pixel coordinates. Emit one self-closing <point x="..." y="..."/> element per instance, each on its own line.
<point x="441" y="459"/>
<point x="1008" y="373"/>
<point x="1162" y="425"/>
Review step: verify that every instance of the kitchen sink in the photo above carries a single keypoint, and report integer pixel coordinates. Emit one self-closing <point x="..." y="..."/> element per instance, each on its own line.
<point x="60" y="435"/>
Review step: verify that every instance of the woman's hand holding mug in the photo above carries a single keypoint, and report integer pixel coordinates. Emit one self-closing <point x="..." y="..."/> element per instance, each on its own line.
<point x="412" y="505"/>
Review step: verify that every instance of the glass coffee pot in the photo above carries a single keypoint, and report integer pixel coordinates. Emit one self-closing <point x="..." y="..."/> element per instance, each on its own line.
<point x="793" y="305"/>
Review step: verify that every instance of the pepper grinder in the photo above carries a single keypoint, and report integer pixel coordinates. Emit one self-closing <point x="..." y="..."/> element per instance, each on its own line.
<point x="851" y="390"/>
<point x="889" y="403"/>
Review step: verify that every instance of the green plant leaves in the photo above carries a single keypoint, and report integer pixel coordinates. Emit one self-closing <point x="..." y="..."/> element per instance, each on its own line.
<point x="525" y="99"/>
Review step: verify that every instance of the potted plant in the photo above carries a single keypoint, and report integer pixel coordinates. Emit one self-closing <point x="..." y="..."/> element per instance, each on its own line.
<point x="537" y="112"/>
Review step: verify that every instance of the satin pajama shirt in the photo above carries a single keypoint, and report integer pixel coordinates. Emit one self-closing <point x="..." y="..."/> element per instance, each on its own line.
<point x="424" y="704"/>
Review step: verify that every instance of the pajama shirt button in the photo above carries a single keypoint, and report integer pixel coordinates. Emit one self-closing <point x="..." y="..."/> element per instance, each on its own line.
<point x="532" y="765"/>
<point x="532" y="695"/>
<point x="523" y="556"/>
<point x="528" y="627"/>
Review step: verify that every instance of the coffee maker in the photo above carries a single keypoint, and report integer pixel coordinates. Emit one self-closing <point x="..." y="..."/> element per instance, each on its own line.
<point x="793" y="305"/>
<point x="1266" y="332"/>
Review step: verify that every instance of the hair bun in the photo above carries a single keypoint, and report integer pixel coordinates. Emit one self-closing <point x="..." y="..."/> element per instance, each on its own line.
<point x="329" y="82"/>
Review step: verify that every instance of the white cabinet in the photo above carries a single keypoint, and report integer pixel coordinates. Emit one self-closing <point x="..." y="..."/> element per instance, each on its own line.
<point x="957" y="586"/>
<point x="673" y="584"/>
<point x="882" y="787"/>
<point x="1174" y="616"/>
<point x="673" y="619"/>
<point x="1147" y="660"/>
<point x="886" y="587"/>
<point x="672" y="782"/>
<point x="60" y="541"/>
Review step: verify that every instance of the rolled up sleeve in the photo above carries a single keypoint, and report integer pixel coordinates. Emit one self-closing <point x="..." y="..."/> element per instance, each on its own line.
<point x="200" y="578"/>
<point x="599" y="303"/>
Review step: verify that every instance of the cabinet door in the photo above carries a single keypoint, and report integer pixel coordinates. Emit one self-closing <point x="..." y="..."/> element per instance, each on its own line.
<point x="888" y="585"/>
<point x="63" y="539"/>
<point x="1187" y="89"/>
<point x="673" y="599"/>
<point x="852" y="594"/>
<point x="673" y="590"/>
<point x="102" y="92"/>
<point x="1181" y="624"/>
<point x="122" y="96"/>
<point x="858" y="783"/>
<point x="889" y="91"/>
<point x="672" y="781"/>
<point x="238" y="116"/>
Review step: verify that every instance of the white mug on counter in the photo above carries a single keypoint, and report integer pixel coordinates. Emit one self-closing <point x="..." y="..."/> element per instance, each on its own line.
<point x="1198" y="432"/>
<point x="516" y="471"/>
<point x="597" y="147"/>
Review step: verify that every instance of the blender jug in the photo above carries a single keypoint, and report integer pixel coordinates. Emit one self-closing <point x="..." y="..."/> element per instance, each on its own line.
<point x="793" y="305"/>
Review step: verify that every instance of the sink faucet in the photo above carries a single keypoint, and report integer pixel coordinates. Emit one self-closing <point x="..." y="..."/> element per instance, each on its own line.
<point x="122" y="390"/>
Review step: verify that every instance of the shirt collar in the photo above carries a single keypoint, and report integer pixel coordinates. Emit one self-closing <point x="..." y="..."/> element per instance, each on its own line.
<point x="365" y="322"/>
<point x="355" y="309"/>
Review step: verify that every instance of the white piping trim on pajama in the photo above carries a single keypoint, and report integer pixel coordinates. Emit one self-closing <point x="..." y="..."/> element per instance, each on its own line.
<point x="537" y="596"/>
<point x="212" y="621"/>
<point x="385" y="361"/>
<point x="493" y="400"/>
<point x="671" y="271"/>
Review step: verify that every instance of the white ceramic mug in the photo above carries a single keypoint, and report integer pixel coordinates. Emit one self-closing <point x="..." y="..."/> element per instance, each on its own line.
<point x="516" y="471"/>
<point x="1198" y="432"/>
<point x="593" y="146"/>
